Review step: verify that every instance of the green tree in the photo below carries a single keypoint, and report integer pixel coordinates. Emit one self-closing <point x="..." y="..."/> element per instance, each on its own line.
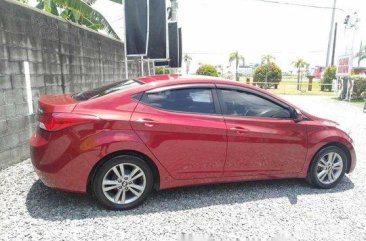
<point x="78" y="11"/>
<point x="187" y="60"/>
<point x="361" y="55"/>
<point x="207" y="69"/>
<point x="236" y="57"/>
<point x="273" y="72"/>
<point x="328" y="77"/>
<point x="161" y="70"/>
<point x="300" y="64"/>
<point x="267" y="59"/>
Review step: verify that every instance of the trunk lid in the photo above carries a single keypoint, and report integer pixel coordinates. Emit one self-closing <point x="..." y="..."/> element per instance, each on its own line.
<point x="56" y="103"/>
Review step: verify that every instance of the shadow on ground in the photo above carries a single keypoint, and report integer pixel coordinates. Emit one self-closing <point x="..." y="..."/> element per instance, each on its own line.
<point x="48" y="204"/>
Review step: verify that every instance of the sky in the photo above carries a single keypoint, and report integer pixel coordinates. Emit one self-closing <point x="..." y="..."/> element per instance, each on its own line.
<point x="214" y="28"/>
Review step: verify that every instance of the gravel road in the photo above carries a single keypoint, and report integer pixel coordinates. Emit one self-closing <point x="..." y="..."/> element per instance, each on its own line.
<point x="275" y="210"/>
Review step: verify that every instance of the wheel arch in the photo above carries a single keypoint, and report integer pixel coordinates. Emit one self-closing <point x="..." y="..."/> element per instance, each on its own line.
<point x="340" y="145"/>
<point x="135" y="153"/>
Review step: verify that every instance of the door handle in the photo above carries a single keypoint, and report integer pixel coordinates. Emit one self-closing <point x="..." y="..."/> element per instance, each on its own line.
<point x="239" y="129"/>
<point x="147" y="122"/>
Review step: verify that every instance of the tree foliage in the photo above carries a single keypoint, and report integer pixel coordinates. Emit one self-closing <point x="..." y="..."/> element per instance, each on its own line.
<point x="236" y="57"/>
<point x="300" y="64"/>
<point x="207" y="69"/>
<point x="328" y="77"/>
<point x="267" y="58"/>
<point x="274" y="74"/>
<point x="361" y="55"/>
<point x="161" y="70"/>
<point x="77" y="11"/>
<point x="359" y="88"/>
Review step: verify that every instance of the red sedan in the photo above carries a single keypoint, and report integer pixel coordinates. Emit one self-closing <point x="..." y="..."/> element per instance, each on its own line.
<point x="121" y="141"/>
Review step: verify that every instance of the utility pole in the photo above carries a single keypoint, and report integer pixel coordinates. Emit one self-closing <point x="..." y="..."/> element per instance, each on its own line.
<point x="334" y="43"/>
<point x="330" y="33"/>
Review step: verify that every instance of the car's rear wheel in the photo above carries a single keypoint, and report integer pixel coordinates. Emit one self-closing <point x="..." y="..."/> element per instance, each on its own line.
<point x="328" y="167"/>
<point x="123" y="182"/>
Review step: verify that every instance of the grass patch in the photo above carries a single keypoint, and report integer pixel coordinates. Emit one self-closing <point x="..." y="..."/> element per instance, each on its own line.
<point x="288" y="86"/>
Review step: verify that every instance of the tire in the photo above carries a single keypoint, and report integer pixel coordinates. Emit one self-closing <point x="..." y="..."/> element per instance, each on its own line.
<point x="327" y="168"/>
<point x="122" y="191"/>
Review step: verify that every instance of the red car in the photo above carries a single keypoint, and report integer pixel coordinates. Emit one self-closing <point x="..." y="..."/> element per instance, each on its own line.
<point x="121" y="141"/>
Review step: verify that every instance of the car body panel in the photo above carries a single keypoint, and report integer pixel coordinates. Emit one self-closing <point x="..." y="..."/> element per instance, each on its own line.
<point x="264" y="145"/>
<point x="188" y="145"/>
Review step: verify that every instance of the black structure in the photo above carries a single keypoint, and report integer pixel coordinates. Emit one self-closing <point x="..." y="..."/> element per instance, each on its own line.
<point x="157" y="44"/>
<point x="173" y="45"/>
<point x="136" y="22"/>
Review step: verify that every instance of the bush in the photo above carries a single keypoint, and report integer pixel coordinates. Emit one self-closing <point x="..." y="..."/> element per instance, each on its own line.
<point x="207" y="69"/>
<point x="359" y="88"/>
<point x="161" y="70"/>
<point x="328" y="77"/>
<point x="274" y="75"/>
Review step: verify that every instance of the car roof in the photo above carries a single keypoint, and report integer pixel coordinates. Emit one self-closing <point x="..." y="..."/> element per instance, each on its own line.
<point x="174" y="79"/>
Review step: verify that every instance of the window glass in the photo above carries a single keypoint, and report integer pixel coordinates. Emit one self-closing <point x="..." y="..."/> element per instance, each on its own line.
<point x="186" y="100"/>
<point x="240" y="103"/>
<point x="106" y="89"/>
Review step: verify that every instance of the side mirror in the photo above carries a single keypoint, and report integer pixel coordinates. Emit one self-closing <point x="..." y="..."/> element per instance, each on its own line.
<point x="298" y="116"/>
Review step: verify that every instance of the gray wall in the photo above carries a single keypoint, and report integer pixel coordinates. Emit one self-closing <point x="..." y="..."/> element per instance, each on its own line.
<point x="62" y="58"/>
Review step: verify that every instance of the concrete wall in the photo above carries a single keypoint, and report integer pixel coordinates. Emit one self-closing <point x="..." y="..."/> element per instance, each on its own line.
<point x="62" y="58"/>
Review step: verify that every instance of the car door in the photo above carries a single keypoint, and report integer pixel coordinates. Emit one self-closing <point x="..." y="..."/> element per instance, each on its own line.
<point x="184" y="129"/>
<point x="263" y="139"/>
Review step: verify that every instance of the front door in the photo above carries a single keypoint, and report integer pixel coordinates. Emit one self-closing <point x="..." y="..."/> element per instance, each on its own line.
<point x="262" y="137"/>
<point x="183" y="128"/>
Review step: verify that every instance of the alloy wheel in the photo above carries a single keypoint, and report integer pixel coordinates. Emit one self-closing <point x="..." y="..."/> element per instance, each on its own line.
<point x="329" y="168"/>
<point x="124" y="183"/>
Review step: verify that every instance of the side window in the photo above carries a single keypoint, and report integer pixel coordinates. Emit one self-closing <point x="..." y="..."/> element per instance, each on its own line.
<point x="240" y="103"/>
<point x="198" y="100"/>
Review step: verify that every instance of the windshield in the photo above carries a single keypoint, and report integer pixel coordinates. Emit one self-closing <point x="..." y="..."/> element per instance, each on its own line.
<point x="106" y="89"/>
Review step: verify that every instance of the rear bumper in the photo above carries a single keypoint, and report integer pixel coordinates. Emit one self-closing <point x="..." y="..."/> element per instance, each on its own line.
<point x="57" y="162"/>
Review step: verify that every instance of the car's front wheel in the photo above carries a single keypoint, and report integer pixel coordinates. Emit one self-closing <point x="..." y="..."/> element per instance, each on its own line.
<point x="328" y="167"/>
<point x="123" y="182"/>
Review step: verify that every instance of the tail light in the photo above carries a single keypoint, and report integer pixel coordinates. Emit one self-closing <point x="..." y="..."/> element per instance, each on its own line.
<point x="59" y="121"/>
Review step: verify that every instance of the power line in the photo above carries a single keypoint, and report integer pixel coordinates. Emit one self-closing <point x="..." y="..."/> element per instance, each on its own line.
<point x="299" y="5"/>
<point x="270" y="52"/>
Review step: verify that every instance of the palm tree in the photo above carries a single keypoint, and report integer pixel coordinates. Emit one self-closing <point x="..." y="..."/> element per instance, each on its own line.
<point x="236" y="57"/>
<point x="299" y="64"/>
<point x="187" y="59"/>
<point x="267" y="58"/>
<point x="361" y="55"/>
<point x="78" y="11"/>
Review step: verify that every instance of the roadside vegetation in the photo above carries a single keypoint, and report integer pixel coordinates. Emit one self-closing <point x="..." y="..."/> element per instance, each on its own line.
<point x="236" y="57"/>
<point x="268" y="74"/>
<point x="77" y="11"/>
<point x="207" y="69"/>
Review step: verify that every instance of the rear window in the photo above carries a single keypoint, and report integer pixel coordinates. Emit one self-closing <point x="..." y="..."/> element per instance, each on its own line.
<point x="106" y="89"/>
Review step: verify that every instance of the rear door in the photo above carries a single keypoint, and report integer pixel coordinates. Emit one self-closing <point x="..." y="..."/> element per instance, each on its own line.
<point x="184" y="129"/>
<point x="263" y="139"/>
